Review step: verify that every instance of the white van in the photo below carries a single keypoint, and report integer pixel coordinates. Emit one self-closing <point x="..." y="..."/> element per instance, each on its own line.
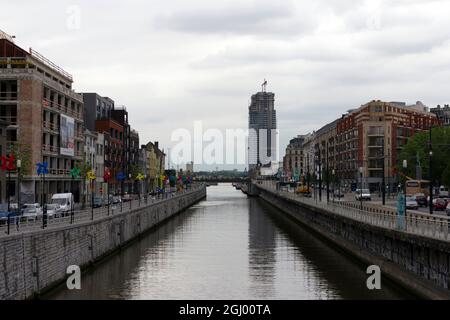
<point x="65" y="201"/>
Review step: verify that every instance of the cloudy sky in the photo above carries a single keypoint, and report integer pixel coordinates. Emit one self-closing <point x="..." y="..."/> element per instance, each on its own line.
<point x="174" y="62"/>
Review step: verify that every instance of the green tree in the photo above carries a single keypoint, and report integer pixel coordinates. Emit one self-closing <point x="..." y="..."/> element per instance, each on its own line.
<point x="417" y="150"/>
<point x="22" y="151"/>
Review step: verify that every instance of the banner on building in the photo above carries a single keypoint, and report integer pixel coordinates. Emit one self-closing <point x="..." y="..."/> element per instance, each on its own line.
<point x="67" y="131"/>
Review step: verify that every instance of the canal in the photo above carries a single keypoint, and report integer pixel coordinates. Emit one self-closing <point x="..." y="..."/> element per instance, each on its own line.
<point x="229" y="247"/>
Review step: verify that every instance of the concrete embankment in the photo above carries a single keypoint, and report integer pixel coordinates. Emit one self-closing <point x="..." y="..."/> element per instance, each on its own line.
<point x="417" y="263"/>
<point x="33" y="263"/>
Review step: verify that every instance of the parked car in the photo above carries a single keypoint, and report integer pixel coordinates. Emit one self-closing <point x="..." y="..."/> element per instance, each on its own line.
<point x="443" y="191"/>
<point x="362" y="194"/>
<point x="421" y="199"/>
<point x="338" y="194"/>
<point x="116" y="200"/>
<point x="411" y="203"/>
<point x="12" y="213"/>
<point x="98" y="202"/>
<point x="439" y="204"/>
<point x="127" y="198"/>
<point x="53" y="210"/>
<point x="31" y="212"/>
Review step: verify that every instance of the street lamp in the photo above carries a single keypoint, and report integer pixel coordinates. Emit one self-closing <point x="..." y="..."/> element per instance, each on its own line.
<point x="18" y="165"/>
<point x="405" y="166"/>
<point x="361" y="186"/>
<point x="333" y="172"/>
<point x="430" y="204"/>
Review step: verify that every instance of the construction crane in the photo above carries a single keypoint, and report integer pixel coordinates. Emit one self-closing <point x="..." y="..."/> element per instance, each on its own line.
<point x="264" y="85"/>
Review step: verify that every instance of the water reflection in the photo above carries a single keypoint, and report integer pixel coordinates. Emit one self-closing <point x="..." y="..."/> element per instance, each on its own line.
<point x="228" y="247"/>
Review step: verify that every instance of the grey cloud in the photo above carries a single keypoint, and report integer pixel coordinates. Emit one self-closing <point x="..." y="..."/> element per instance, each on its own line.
<point x="256" y="18"/>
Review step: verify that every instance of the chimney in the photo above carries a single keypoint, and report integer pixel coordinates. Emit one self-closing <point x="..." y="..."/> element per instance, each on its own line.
<point x="156" y="145"/>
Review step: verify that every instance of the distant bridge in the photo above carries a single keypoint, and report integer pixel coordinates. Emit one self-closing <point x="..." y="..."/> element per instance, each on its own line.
<point x="213" y="179"/>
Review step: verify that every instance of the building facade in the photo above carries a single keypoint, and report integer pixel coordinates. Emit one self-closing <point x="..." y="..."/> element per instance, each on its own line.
<point x="142" y="186"/>
<point x="156" y="166"/>
<point x="262" y="141"/>
<point x="442" y="113"/>
<point x="45" y="120"/>
<point x="96" y="107"/>
<point x="370" y="138"/>
<point x="113" y="151"/>
<point x="293" y="160"/>
<point x="134" y="163"/>
<point x="120" y="115"/>
<point x="3" y="181"/>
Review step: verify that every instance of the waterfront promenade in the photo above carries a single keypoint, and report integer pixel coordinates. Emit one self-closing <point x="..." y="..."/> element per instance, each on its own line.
<point x="415" y="222"/>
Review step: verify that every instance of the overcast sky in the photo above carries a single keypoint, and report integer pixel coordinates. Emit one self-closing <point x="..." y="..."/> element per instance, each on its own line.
<point x="174" y="62"/>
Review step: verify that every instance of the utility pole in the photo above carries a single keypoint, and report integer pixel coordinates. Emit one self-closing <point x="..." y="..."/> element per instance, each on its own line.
<point x="320" y="176"/>
<point x="430" y="204"/>
<point x="327" y="174"/>
<point x="383" y="183"/>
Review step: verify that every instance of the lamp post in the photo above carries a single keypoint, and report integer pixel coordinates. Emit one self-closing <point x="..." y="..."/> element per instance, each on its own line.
<point x="320" y="176"/>
<point x="91" y="176"/>
<point x="42" y="170"/>
<point x="405" y="166"/>
<point x="129" y="189"/>
<point x="75" y="173"/>
<point x="106" y="177"/>
<point x="18" y="165"/>
<point x="333" y="172"/>
<point x="430" y="158"/>
<point x="327" y="174"/>
<point x="9" y="191"/>
<point x="361" y="186"/>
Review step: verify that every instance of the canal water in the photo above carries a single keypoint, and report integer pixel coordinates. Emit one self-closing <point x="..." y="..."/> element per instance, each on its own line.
<point x="229" y="247"/>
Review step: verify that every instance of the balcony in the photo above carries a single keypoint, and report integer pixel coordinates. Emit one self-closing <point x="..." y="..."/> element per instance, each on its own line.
<point x="8" y="95"/>
<point x="51" y="126"/>
<point x="375" y="132"/>
<point x="50" y="149"/>
<point x="51" y="105"/>
<point x="79" y="135"/>
<point x="78" y="154"/>
<point x="59" y="172"/>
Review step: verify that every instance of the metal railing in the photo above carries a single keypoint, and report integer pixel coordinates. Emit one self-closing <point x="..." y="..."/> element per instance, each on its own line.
<point x="436" y="227"/>
<point x="48" y="103"/>
<point x="8" y="95"/>
<point x="17" y="225"/>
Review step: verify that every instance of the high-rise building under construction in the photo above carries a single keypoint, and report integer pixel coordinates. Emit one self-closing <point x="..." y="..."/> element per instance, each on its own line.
<point x="262" y="143"/>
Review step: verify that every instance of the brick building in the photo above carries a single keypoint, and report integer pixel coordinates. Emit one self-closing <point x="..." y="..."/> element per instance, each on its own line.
<point x="113" y="150"/>
<point x="45" y="119"/>
<point x="371" y="138"/>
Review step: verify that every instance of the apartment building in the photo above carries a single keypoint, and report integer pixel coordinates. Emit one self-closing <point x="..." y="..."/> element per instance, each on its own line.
<point x="325" y="150"/>
<point x="134" y="160"/>
<point x="96" y="108"/>
<point x="120" y="115"/>
<point x="442" y="113"/>
<point x="3" y="181"/>
<point x="293" y="159"/>
<point x="100" y="188"/>
<point x="370" y="138"/>
<point x="113" y="151"/>
<point x="156" y="165"/>
<point x="142" y="186"/>
<point x="45" y="120"/>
